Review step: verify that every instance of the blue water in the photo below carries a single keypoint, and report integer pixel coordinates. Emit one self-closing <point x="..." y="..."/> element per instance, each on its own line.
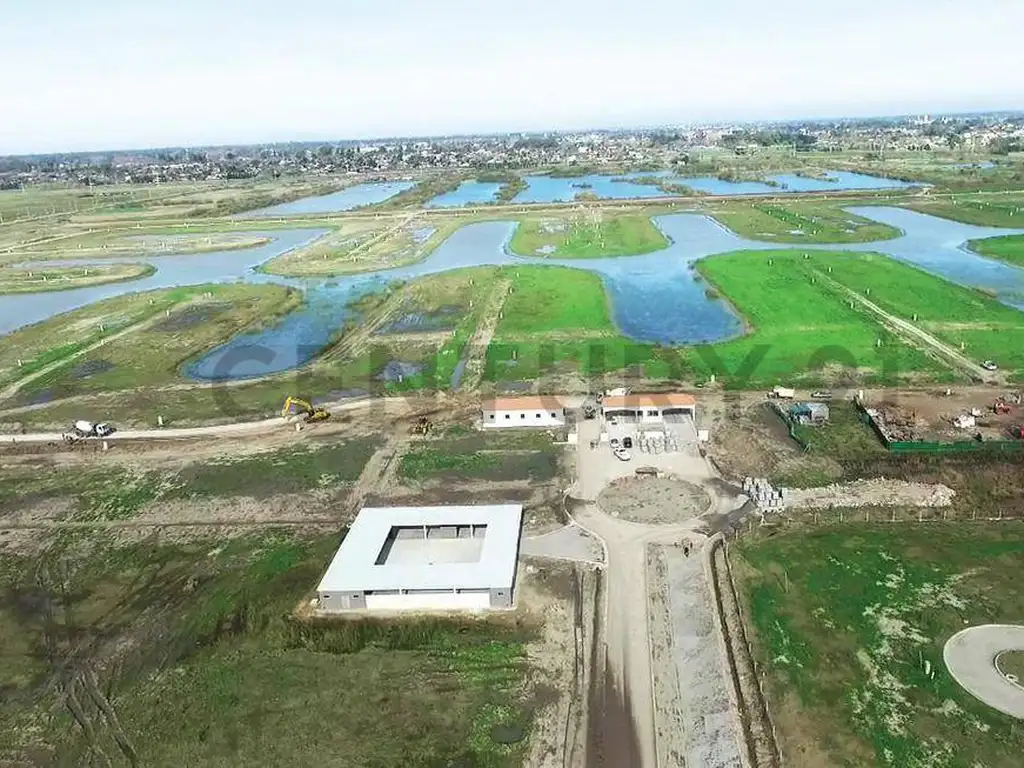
<point x="545" y="189"/>
<point x="467" y="192"/>
<point x="788" y="182"/>
<point x="344" y="200"/>
<point x="548" y="189"/>
<point x="654" y="297"/>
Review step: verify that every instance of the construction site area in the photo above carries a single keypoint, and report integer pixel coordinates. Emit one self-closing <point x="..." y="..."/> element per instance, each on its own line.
<point x="947" y="418"/>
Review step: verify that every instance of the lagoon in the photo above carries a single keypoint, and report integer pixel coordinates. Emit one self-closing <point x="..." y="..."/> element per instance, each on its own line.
<point x="343" y="200"/>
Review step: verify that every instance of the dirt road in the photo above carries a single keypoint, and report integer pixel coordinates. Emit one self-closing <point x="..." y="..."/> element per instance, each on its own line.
<point x="476" y="349"/>
<point x="919" y="337"/>
<point x="219" y="430"/>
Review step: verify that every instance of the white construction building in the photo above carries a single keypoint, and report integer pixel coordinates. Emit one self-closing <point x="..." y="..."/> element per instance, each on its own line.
<point x="425" y="559"/>
<point x="519" y="412"/>
<point x="650" y="408"/>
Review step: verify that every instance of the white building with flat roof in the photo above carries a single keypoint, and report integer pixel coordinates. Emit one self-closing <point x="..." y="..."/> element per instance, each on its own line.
<point x="650" y="408"/>
<point x="425" y="558"/>
<point x="529" y="411"/>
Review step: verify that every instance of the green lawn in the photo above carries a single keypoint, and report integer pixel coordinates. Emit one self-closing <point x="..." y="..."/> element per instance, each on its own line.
<point x="1009" y="248"/>
<point x="197" y="651"/>
<point x="554" y="299"/>
<point x="799" y="222"/>
<point x="987" y="328"/>
<point x="800" y="331"/>
<point x="589" y="235"/>
<point x="849" y="623"/>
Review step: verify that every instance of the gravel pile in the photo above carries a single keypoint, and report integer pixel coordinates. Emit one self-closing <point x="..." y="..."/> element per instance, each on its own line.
<point x="877" y="492"/>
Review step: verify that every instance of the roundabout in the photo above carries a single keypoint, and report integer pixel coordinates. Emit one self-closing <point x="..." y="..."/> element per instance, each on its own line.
<point x="979" y="658"/>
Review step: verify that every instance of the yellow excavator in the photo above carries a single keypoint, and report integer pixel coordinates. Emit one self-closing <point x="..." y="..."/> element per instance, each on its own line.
<point x="310" y="412"/>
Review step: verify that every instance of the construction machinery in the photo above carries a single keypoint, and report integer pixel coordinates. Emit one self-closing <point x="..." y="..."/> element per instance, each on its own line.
<point x="422" y="426"/>
<point x="310" y="412"/>
<point x="1016" y="432"/>
<point x="1000" y="407"/>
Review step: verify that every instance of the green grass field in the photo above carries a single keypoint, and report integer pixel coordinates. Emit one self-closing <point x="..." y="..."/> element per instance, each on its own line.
<point x="1009" y="248"/>
<point x="528" y="456"/>
<point x="849" y="623"/>
<point x="987" y="328"/>
<point x="196" y="650"/>
<point x="801" y="332"/>
<point x="999" y="209"/>
<point x="587" y="236"/>
<point x="554" y="299"/>
<point x="799" y="222"/>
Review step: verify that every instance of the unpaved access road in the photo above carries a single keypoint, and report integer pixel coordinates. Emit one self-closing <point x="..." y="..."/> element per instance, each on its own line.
<point x="385" y="405"/>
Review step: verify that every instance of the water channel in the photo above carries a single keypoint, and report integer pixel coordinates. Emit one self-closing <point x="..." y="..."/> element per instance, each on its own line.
<point x="654" y="297"/>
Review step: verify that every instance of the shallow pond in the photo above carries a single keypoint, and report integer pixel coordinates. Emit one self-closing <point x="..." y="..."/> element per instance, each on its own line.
<point x="343" y="200"/>
<point x="466" y="193"/>
<point x="654" y="297"/>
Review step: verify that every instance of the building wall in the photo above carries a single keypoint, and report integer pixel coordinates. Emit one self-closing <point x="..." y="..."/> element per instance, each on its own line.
<point x="527" y="418"/>
<point x="416" y="600"/>
<point x="648" y="415"/>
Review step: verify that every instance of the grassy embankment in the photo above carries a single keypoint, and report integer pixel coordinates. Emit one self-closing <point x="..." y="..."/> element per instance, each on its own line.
<point x="799" y="222"/>
<point x="986" y="328"/>
<point x="983" y="210"/>
<point x="1009" y="248"/>
<point x="49" y="341"/>
<point x="849" y="623"/>
<point x="152" y="356"/>
<point x="155" y="242"/>
<point x="587" y="236"/>
<point x="195" y="648"/>
<point x="364" y="246"/>
<point x="40" y="279"/>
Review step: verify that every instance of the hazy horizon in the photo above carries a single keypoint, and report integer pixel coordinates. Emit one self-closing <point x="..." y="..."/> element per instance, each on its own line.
<point x="128" y="77"/>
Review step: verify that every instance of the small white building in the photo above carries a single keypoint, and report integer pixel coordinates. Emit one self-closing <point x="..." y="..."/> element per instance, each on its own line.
<point x="531" y="411"/>
<point x="650" y="408"/>
<point x="459" y="558"/>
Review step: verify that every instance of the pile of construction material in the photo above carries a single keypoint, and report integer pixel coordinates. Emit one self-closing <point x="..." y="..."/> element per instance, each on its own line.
<point x="877" y="492"/>
<point x="657" y="442"/>
<point x="764" y="494"/>
<point x="896" y="423"/>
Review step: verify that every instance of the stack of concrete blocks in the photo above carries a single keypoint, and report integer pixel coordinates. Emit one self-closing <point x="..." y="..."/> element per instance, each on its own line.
<point x="764" y="494"/>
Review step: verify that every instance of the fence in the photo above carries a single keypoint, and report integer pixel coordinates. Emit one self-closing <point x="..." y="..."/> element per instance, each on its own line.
<point x="933" y="447"/>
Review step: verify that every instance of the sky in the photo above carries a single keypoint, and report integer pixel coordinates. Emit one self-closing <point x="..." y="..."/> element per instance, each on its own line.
<point x="84" y="75"/>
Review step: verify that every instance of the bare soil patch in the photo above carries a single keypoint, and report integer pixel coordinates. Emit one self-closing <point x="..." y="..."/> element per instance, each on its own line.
<point x="658" y="500"/>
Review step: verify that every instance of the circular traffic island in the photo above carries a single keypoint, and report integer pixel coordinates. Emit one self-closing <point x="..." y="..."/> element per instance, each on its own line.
<point x="988" y="661"/>
<point x="1011" y="666"/>
<point x="654" y="500"/>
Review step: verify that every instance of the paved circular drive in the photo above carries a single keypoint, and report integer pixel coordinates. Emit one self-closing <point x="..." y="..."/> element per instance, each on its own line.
<point x="970" y="656"/>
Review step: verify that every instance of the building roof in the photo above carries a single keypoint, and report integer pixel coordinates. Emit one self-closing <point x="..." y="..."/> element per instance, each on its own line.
<point x="525" y="403"/>
<point x="354" y="568"/>
<point x="641" y="400"/>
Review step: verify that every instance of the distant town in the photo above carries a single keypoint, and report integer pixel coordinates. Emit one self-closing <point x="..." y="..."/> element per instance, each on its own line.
<point x="992" y="133"/>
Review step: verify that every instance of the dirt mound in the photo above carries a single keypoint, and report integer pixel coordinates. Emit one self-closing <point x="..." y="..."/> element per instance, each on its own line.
<point x="654" y="500"/>
<point x="877" y="492"/>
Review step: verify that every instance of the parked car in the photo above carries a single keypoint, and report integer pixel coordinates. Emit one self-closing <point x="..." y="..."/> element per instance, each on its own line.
<point x="627" y="442"/>
<point x="989" y="365"/>
<point x="614" y="442"/>
<point x="622" y="454"/>
<point x="821" y="395"/>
